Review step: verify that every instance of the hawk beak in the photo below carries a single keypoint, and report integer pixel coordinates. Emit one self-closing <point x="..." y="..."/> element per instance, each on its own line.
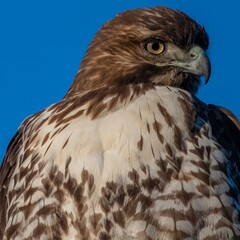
<point x="199" y="63"/>
<point x="196" y="62"/>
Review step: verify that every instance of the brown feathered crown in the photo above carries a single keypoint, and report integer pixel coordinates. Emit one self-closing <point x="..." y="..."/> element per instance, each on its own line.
<point x="117" y="55"/>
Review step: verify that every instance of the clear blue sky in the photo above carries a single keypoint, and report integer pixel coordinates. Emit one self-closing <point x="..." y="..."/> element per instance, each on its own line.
<point x="42" y="43"/>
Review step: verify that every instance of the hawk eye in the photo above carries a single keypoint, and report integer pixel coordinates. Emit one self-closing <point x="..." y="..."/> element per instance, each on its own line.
<point x="155" y="47"/>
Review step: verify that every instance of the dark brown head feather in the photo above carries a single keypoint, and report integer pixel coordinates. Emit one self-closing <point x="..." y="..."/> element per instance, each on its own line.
<point x="114" y="56"/>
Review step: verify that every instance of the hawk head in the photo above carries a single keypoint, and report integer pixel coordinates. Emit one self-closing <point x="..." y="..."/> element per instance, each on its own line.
<point x="151" y="45"/>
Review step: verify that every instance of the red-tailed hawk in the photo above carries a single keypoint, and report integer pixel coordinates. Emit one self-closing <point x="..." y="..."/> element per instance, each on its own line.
<point x="129" y="152"/>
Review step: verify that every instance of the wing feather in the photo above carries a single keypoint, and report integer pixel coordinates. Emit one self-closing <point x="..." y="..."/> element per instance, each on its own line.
<point x="7" y="168"/>
<point x="231" y="115"/>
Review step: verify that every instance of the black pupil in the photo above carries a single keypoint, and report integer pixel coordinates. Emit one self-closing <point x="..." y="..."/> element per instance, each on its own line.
<point x="155" y="46"/>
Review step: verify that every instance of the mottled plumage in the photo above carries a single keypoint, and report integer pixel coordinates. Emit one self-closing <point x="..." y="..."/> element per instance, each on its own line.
<point x="129" y="152"/>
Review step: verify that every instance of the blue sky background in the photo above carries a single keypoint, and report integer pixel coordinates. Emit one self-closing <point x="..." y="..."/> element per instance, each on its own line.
<point x="42" y="43"/>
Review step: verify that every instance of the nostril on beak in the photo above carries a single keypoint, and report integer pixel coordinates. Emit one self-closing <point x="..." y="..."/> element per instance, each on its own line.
<point x="194" y="52"/>
<point x="193" y="55"/>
